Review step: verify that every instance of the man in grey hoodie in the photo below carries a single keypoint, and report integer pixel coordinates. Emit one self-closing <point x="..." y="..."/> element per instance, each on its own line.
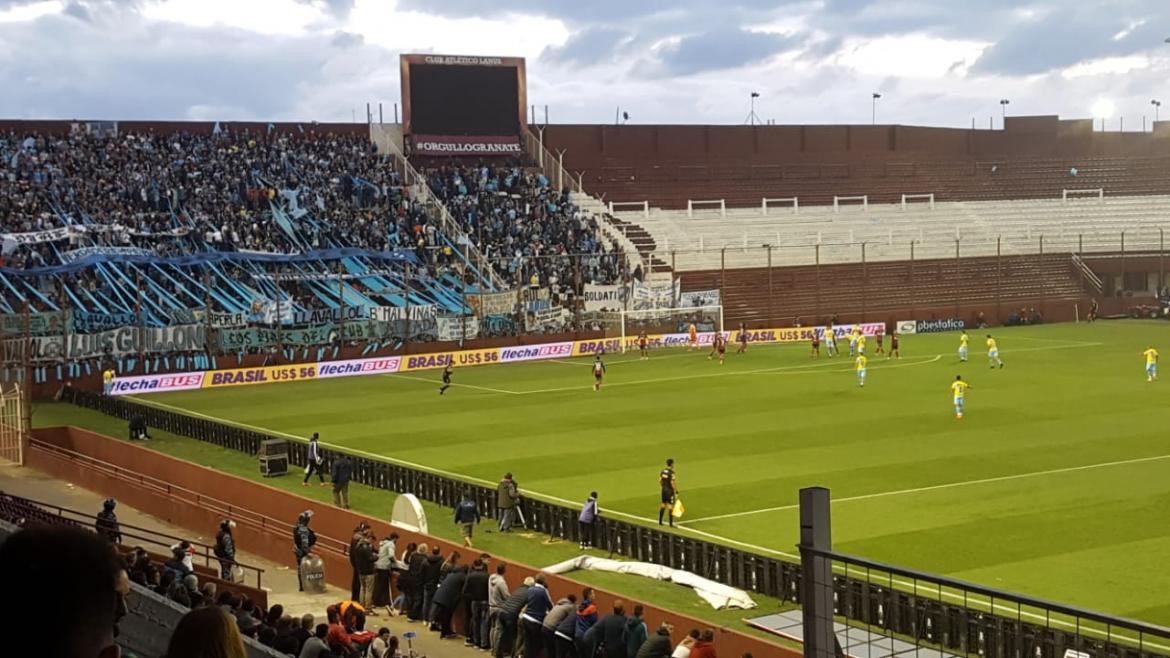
<point x="555" y="617"/>
<point x="497" y="594"/>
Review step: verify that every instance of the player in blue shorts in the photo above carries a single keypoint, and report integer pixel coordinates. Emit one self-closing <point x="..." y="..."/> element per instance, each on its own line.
<point x="1151" y="355"/>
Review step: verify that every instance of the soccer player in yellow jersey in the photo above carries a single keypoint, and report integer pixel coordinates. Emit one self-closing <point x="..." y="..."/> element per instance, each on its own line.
<point x="861" y="363"/>
<point x="958" y="389"/>
<point x="963" y="347"/>
<point x="993" y="353"/>
<point x="1151" y="355"/>
<point x="830" y="341"/>
<point x="861" y="343"/>
<point x="853" y="334"/>
<point x="108" y="380"/>
<point x="692" y="337"/>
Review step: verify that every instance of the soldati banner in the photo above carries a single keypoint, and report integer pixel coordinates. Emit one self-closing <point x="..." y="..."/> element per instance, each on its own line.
<point x="389" y="365"/>
<point x="466" y="145"/>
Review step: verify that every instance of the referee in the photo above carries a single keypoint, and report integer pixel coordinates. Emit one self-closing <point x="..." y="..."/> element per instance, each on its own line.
<point x="669" y="488"/>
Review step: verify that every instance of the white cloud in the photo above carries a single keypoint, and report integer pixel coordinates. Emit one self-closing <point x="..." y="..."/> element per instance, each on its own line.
<point x="909" y="56"/>
<point x="1106" y="66"/>
<point x="286" y="17"/>
<point x="24" y="13"/>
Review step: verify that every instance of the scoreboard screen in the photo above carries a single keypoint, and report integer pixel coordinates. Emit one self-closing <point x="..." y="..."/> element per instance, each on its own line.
<point x="457" y="105"/>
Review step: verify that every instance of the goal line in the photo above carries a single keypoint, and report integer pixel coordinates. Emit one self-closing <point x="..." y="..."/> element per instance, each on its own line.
<point x="670" y="325"/>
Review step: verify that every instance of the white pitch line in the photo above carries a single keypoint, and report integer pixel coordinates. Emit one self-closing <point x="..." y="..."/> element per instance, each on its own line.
<point x="949" y="485"/>
<point x="456" y="384"/>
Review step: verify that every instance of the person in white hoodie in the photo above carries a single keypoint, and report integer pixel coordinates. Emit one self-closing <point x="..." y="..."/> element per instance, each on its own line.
<point x="497" y="593"/>
<point x="383" y="565"/>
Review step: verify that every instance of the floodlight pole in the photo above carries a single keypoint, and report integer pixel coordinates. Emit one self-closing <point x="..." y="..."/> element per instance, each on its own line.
<point x="816" y="573"/>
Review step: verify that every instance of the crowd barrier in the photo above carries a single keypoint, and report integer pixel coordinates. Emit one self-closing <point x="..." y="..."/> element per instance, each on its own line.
<point x="903" y="611"/>
<point x="186" y="381"/>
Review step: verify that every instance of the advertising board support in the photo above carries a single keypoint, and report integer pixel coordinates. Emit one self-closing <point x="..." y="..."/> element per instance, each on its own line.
<point x="406" y="298"/>
<point x="279" y="322"/>
<point x="864" y="286"/>
<point x="913" y="308"/>
<point x="138" y="314"/>
<point x="771" y="296"/>
<point x="998" y="276"/>
<point x="958" y="275"/>
<point x="722" y="273"/>
<point x="341" y="296"/>
<point x="207" y="309"/>
<point x="817" y="260"/>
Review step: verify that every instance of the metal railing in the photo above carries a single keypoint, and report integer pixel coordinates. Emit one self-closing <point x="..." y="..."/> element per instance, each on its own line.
<point x="936" y="613"/>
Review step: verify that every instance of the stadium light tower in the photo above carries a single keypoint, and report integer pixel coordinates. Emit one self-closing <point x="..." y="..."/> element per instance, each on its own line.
<point x="752" y="117"/>
<point x="873" y="108"/>
<point x="1003" y="103"/>
<point x="1157" y="104"/>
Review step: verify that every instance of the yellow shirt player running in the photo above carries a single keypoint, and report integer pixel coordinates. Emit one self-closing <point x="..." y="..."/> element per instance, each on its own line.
<point x="958" y="389"/>
<point x="1151" y="355"/>
<point x="963" y="339"/>
<point x="861" y="343"/>
<point x="861" y="363"/>
<point x="993" y="353"/>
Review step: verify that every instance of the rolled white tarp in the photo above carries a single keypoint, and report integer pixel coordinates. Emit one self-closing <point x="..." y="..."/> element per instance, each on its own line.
<point x="720" y="596"/>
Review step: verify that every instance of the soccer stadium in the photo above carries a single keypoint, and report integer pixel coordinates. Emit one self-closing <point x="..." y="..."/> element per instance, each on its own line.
<point x="437" y="376"/>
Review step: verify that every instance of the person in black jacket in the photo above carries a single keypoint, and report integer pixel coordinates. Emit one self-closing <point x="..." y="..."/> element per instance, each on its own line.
<point x="431" y="572"/>
<point x="340" y="474"/>
<point x="466" y="516"/>
<point x="446" y="600"/>
<point x="355" y="582"/>
<point x="609" y="634"/>
<point x="364" y="564"/>
<point x="657" y="645"/>
<point x="107" y="523"/>
<point x="509" y="617"/>
<point x="225" y="549"/>
<point x="475" y="595"/>
<point x="303" y="540"/>
<point x="416" y="572"/>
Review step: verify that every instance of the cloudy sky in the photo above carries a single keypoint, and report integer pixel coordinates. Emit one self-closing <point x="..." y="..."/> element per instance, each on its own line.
<point x="935" y="62"/>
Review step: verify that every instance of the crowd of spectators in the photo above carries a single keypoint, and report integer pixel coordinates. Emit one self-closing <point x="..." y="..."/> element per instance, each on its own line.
<point x="525" y="227"/>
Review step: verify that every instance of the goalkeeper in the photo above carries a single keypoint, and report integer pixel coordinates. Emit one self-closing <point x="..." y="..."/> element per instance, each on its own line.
<point x="669" y="487"/>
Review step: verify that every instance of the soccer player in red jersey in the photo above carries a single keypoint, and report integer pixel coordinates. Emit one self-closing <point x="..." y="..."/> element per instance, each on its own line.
<point x="644" y="345"/>
<point x="598" y="372"/>
<point x="816" y="345"/>
<point x="743" y="338"/>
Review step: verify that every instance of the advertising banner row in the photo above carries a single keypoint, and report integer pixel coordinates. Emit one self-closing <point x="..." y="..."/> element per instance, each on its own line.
<point x="389" y="365"/>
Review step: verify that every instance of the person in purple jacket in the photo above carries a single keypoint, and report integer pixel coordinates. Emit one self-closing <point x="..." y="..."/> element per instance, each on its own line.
<point x="589" y="514"/>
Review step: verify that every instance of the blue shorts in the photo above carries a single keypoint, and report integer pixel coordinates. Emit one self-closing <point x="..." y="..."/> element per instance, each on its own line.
<point x="958" y="404"/>
<point x="963" y="352"/>
<point x="861" y="373"/>
<point x="993" y="354"/>
<point x="1151" y="368"/>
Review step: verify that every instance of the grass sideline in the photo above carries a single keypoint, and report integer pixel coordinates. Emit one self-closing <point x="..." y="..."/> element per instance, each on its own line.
<point x="1053" y="485"/>
<point x="529" y="548"/>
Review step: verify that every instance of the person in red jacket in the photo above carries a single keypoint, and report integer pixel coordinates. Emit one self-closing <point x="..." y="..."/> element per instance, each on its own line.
<point x="705" y="646"/>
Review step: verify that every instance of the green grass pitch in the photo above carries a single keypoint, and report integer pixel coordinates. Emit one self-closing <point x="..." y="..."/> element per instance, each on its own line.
<point x="1055" y="484"/>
